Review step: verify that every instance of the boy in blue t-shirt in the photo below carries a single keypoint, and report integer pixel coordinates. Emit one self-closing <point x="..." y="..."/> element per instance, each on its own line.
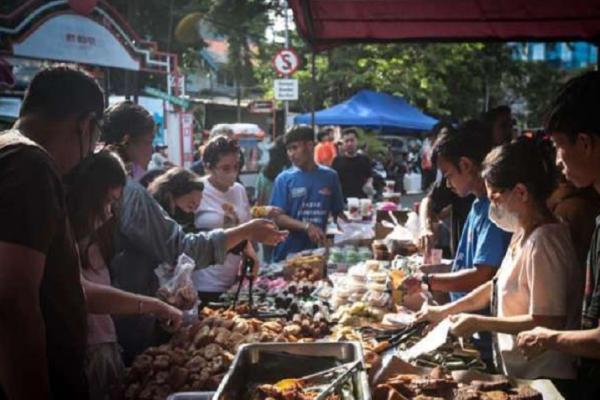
<point x="307" y="193"/>
<point x="458" y="155"/>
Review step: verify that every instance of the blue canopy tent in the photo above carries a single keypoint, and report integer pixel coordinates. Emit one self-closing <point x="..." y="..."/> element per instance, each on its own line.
<point x="373" y="110"/>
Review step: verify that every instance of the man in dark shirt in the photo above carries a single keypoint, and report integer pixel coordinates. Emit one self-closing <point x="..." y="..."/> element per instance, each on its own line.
<point x="42" y="309"/>
<point x="574" y="123"/>
<point x="439" y="203"/>
<point x="353" y="169"/>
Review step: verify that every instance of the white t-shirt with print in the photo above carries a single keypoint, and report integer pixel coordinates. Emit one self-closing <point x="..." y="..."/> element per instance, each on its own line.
<point x="541" y="278"/>
<point x="210" y="215"/>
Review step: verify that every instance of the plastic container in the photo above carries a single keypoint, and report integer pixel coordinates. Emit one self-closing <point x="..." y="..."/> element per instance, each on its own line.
<point x="364" y="254"/>
<point x="412" y="183"/>
<point x="351" y="255"/>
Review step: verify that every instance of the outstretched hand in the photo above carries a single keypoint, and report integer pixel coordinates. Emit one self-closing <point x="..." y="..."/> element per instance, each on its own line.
<point x="265" y="231"/>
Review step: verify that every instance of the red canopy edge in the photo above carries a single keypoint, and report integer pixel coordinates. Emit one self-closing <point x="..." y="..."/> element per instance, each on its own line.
<point x="327" y="23"/>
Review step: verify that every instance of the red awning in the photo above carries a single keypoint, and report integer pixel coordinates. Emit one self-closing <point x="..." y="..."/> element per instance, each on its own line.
<point x="327" y="23"/>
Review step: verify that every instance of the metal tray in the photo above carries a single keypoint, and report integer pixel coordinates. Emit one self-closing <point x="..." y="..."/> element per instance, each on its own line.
<point x="270" y="362"/>
<point x="191" y="396"/>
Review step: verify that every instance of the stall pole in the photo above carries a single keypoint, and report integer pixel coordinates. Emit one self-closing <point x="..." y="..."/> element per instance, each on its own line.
<point x="313" y="82"/>
<point x="286" y="106"/>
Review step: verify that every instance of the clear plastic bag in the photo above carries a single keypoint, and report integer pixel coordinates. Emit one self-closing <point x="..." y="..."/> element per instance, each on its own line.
<point x="176" y="285"/>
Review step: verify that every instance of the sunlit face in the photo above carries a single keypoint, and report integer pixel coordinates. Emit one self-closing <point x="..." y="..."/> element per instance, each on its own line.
<point x="505" y="198"/>
<point x="575" y="158"/>
<point x="189" y="202"/>
<point x="457" y="179"/>
<point x="225" y="172"/>
<point x="300" y="153"/>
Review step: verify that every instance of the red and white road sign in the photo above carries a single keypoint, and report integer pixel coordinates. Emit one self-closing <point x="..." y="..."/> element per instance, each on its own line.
<point x="286" y="62"/>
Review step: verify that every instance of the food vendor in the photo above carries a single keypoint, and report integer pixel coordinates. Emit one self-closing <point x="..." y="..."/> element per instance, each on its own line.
<point x="307" y="193"/>
<point x="482" y="245"/>
<point x="532" y="285"/>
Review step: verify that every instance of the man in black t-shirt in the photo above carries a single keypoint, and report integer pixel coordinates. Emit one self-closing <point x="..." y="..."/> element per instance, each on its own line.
<point x="354" y="170"/>
<point x="42" y="308"/>
<point x="574" y="123"/>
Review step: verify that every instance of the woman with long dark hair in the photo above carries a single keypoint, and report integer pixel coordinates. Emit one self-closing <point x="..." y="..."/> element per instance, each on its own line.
<point x="94" y="187"/>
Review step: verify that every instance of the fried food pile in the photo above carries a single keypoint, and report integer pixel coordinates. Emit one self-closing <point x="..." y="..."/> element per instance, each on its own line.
<point x="259" y="212"/>
<point x="183" y="297"/>
<point x="198" y="356"/>
<point x="304" y="268"/>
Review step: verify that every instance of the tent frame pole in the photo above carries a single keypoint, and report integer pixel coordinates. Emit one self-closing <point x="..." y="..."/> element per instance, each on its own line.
<point x="313" y="82"/>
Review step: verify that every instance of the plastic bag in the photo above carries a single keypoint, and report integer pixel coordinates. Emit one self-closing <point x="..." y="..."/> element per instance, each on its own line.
<point x="176" y="285"/>
<point x="353" y="232"/>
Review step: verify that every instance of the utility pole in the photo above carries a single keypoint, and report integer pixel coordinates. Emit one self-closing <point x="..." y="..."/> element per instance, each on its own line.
<point x="286" y="106"/>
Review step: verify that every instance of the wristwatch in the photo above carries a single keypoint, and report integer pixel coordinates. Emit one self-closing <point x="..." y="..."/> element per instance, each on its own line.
<point x="425" y="281"/>
<point x="306" y="226"/>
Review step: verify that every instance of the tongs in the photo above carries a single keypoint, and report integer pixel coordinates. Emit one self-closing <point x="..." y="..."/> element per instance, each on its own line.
<point x="246" y="275"/>
<point x="340" y="380"/>
<point x="402" y="336"/>
<point x="380" y="333"/>
<point x="291" y="382"/>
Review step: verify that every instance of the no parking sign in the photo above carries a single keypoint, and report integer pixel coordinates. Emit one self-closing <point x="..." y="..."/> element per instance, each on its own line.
<point x="286" y="62"/>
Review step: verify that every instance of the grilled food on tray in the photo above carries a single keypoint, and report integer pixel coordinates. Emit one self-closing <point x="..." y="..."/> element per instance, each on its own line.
<point x="294" y="391"/>
<point x="444" y="387"/>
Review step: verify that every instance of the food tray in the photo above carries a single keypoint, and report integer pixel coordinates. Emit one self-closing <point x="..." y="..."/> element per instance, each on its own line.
<point x="191" y="396"/>
<point x="271" y="362"/>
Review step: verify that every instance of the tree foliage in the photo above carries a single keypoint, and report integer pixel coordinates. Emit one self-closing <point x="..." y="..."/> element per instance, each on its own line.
<point x="457" y="80"/>
<point x="454" y="80"/>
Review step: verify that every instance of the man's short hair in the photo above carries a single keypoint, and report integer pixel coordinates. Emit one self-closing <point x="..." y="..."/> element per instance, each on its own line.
<point x="471" y="140"/>
<point x="350" y="131"/>
<point x="63" y="91"/>
<point x="299" y="134"/>
<point x="576" y="108"/>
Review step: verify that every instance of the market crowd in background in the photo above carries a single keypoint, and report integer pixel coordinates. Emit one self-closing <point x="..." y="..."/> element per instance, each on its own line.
<point x="77" y="277"/>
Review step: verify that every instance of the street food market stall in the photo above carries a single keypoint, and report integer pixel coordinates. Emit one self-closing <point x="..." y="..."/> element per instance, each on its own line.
<point x="340" y="296"/>
<point x="329" y="323"/>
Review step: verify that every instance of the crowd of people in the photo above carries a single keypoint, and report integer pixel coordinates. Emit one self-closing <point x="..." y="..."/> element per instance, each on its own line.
<point x="524" y="282"/>
<point x="83" y="232"/>
<point x="81" y="238"/>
